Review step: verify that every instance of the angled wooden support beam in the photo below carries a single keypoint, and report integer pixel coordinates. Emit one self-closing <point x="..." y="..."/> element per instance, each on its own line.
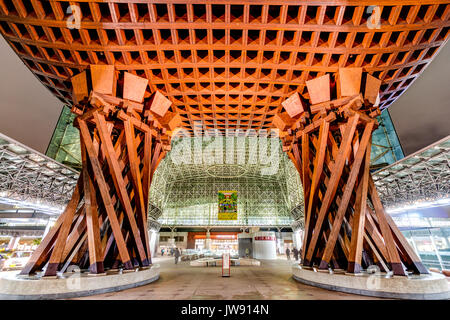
<point x="78" y="228"/>
<point x="316" y="177"/>
<point x="156" y="158"/>
<point x="57" y="252"/>
<point x="371" y="229"/>
<point x="354" y="261"/>
<point x="104" y="191"/>
<point x="297" y="159"/>
<point x="393" y="255"/>
<point x="403" y="244"/>
<point x="355" y="169"/>
<point x="41" y="254"/>
<point x="306" y="183"/>
<point x="343" y="153"/>
<point x="92" y="221"/>
<point x="146" y="168"/>
<point x="134" y="162"/>
<point x="120" y="185"/>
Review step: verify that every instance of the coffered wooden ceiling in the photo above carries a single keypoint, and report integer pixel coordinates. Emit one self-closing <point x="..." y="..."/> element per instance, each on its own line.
<point x="227" y="64"/>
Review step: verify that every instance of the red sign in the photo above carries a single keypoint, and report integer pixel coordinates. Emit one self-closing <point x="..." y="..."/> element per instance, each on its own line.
<point x="261" y="238"/>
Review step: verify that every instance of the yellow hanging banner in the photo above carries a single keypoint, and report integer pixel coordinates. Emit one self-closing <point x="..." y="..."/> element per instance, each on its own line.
<point x="227" y="205"/>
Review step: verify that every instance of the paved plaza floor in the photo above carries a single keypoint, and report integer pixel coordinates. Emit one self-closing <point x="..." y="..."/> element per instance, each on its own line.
<point x="271" y="280"/>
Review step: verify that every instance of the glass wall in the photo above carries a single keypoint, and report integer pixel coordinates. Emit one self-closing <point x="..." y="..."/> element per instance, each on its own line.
<point x="64" y="146"/>
<point x="428" y="235"/>
<point x="65" y="143"/>
<point x="386" y="148"/>
<point x="196" y="203"/>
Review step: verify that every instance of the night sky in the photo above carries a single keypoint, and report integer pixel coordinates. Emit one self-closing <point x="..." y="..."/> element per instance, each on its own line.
<point x="29" y="111"/>
<point x="421" y="116"/>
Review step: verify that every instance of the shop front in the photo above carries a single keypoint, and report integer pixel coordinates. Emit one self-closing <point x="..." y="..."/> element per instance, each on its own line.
<point x="218" y="242"/>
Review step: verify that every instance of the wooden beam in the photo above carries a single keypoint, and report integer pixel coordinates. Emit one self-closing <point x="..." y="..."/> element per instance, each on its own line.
<point x="393" y="256"/>
<point x="104" y="191"/>
<point x="137" y="185"/>
<point x="146" y="168"/>
<point x="120" y="184"/>
<point x="317" y="174"/>
<point x="354" y="172"/>
<point x="343" y="152"/>
<point x="354" y="261"/>
<point x="40" y="255"/>
<point x="92" y="222"/>
<point x="56" y="255"/>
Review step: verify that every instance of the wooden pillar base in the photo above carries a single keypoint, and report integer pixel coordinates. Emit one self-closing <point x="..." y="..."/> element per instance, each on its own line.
<point x="96" y="268"/>
<point x="354" y="267"/>
<point x="122" y="139"/>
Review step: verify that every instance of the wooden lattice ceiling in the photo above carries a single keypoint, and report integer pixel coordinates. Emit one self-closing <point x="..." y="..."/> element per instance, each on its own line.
<point x="229" y="64"/>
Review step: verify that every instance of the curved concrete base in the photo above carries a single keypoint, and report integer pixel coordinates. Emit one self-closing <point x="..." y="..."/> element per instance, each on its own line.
<point x="424" y="287"/>
<point x="209" y="262"/>
<point x="70" y="285"/>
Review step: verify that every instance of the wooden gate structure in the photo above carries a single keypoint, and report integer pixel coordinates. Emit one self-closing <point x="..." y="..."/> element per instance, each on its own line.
<point x="122" y="142"/>
<point x="327" y="134"/>
<point x="229" y="65"/>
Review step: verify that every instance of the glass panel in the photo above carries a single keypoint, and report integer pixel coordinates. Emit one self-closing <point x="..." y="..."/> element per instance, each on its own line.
<point x="432" y="245"/>
<point x="64" y="146"/>
<point x="425" y="248"/>
<point x="386" y="148"/>
<point x="441" y="238"/>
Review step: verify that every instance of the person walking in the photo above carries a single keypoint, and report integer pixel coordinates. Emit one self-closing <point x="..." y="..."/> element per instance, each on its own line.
<point x="288" y="254"/>
<point x="177" y="255"/>
<point x="162" y="252"/>
<point x="295" y="251"/>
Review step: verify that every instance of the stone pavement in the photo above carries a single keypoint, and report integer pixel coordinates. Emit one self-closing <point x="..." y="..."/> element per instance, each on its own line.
<point x="272" y="280"/>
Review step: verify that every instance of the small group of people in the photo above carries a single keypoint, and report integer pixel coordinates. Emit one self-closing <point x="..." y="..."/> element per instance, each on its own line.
<point x="173" y="252"/>
<point x="297" y="254"/>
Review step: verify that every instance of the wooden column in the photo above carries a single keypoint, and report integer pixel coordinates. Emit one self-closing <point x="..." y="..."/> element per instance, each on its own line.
<point x="123" y="139"/>
<point x="345" y="220"/>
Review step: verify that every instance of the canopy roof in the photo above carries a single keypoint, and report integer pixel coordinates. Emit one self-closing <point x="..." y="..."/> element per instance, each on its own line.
<point x="228" y="64"/>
